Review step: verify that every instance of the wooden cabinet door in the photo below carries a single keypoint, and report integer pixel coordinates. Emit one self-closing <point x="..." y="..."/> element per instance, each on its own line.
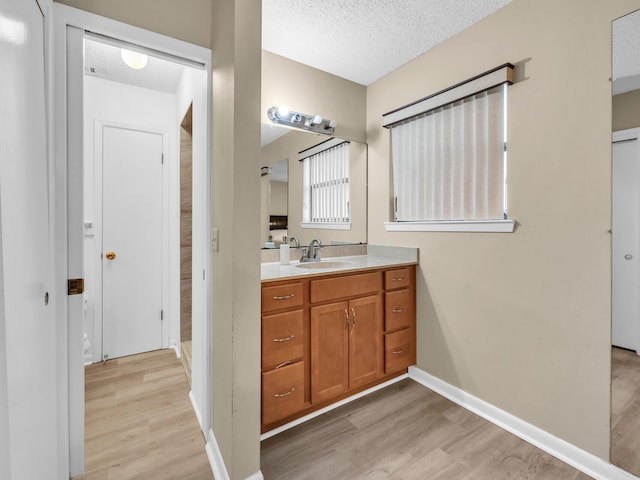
<point x="329" y="350"/>
<point x="365" y="340"/>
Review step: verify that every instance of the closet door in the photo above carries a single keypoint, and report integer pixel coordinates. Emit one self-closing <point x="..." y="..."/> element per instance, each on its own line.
<point x="29" y="441"/>
<point x="625" y="254"/>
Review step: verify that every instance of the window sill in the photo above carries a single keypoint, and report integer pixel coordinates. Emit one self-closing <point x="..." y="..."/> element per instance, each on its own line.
<point x="481" y="226"/>
<point x="327" y="226"/>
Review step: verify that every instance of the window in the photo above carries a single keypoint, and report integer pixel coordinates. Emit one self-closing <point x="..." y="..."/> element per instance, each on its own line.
<point x="449" y="158"/>
<point x="326" y="185"/>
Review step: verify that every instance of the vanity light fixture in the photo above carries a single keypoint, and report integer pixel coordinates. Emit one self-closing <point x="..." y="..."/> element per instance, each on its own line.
<point x="133" y="59"/>
<point x="313" y="123"/>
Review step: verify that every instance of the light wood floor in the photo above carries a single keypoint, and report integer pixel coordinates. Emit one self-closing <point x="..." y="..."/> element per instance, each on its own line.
<point x="406" y="432"/>
<point x="625" y="410"/>
<point x="139" y="423"/>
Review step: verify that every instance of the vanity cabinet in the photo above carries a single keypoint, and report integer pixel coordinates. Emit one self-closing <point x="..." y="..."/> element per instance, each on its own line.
<point x="399" y="319"/>
<point x="326" y="337"/>
<point x="346" y="346"/>
<point x="283" y="371"/>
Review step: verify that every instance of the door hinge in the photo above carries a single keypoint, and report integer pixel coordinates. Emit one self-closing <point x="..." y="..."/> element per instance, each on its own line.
<point x="162" y="158"/>
<point x="161" y="314"/>
<point x="75" y="286"/>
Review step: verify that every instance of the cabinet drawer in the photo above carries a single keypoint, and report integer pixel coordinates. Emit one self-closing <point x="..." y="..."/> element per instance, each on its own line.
<point x="398" y="306"/>
<point x="281" y="296"/>
<point x="399" y="278"/>
<point x="397" y="350"/>
<point x="342" y="287"/>
<point x="282" y="392"/>
<point x="281" y="338"/>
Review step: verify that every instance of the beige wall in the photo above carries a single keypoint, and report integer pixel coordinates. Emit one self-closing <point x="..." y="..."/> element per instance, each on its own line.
<point x="232" y="29"/>
<point x="311" y="91"/>
<point x="288" y="147"/>
<point x="522" y="320"/>
<point x="626" y="110"/>
<point x="186" y="20"/>
<point x="236" y="36"/>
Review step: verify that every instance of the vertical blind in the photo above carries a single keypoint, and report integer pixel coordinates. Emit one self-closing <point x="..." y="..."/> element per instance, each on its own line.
<point x="449" y="163"/>
<point x="326" y="186"/>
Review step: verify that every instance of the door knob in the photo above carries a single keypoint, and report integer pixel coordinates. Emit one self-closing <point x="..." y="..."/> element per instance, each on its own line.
<point x="110" y="255"/>
<point x="628" y="256"/>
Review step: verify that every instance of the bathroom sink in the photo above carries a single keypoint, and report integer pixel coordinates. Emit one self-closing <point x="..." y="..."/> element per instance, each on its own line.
<point x="321" y="264"/>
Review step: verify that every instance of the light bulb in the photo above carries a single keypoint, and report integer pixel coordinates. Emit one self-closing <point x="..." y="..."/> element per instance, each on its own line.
<point x="317" y="120"/>
<point x="134" y="60"/>
<point x="283" y="111"/>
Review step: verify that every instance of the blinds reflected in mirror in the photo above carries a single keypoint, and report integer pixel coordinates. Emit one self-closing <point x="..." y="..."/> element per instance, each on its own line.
<point x="327" y="186"/>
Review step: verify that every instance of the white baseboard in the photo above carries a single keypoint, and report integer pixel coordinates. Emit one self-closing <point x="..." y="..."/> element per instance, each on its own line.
<point x="255" y="476"/>
<point x="216" y="461"/>
<point x="88" y="359"/>
<point x="328" y="408"/>
<point x="565" y="451"/>
<point x="176" y="348"/>
<point x="196" y="410"/>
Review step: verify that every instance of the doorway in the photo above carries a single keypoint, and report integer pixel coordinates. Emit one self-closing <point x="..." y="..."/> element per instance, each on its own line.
<point x="75" y="30"/>
<point x="186" y="242"/>
<point x="131" y="259"/>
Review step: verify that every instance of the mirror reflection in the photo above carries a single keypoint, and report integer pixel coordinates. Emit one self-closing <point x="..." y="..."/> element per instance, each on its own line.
<point x="325" y="192"/>
<point x="625" y="360"/>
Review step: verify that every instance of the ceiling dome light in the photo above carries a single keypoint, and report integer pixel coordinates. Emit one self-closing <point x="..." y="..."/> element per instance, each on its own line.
<point x="134" y="60"/>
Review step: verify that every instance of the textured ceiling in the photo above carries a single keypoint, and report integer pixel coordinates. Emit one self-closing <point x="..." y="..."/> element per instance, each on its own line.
<point x="363" y="40"/>
<point x="626" y="53"/>
<point x="360" y="40"/>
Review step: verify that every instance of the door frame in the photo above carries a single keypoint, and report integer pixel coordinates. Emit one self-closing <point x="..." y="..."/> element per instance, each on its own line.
<point x="617" y="136"/>
<point x="66" y="125"/>
<point x="168" y="252"/>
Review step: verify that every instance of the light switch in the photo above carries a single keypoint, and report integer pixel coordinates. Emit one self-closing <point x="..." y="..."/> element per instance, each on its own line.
<point x="214" y="239"/>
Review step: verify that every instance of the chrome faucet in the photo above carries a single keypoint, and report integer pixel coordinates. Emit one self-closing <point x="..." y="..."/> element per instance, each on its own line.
<point x="296" y="241"/>
<point x="312" y="253"/>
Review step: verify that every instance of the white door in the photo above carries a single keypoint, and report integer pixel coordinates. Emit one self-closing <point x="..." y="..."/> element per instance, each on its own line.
<point x="28" y="400"/>
<point x="131" y="241"/>
<point x="625" y="260"/>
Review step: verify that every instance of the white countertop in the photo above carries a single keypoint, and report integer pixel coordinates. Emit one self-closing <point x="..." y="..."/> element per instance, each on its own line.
<point x="378" y="257"/>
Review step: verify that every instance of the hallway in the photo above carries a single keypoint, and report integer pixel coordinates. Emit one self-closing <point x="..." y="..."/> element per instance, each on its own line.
<point x="139" y="423"/>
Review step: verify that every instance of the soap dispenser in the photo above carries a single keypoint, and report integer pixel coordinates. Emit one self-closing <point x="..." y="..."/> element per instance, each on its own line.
<point x="284" y="251"/>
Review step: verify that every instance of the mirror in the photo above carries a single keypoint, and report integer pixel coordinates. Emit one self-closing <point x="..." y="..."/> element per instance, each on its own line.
<point x="280" y="148"/>
<point x="274" y="207"/>
<point x="625" y="362"/>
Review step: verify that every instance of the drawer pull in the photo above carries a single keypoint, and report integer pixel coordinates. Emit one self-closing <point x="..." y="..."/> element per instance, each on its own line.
<point x="285" y="339"/>
<point x="346" y="319"/>
<point x="398" y="352"/>
<point x="283" y="364"/>
<point x="397" y="310"/>
<point x="353" y="321"/>
<point x="284" y="297"/>
<point x="286" y="394"/>
<point x="398" y="279"/>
